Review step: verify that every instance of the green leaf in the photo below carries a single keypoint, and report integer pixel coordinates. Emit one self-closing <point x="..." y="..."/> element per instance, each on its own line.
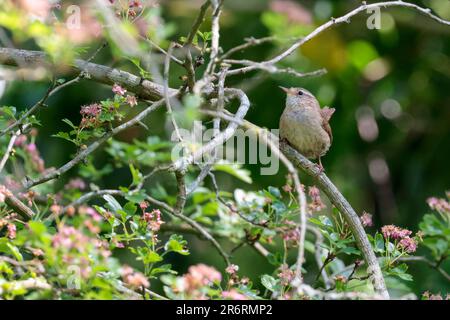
<point x="112" y="203"/>
<point x="7" y="247"/>
<point x="137" y="176"/>
<point x="152" y="257"/>
<point x="235" y="170"/>
<point x="70" y="124"/>
<point x="37" y="227"/>
<point x="65" y="136"/>
<point x="269" y="282"/>
<point x="130" y="208"/>
<point x="177" y="244"/>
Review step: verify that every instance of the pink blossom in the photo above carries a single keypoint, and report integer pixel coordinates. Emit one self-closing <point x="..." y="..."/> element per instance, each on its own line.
<point x="11" y="230"/>
<point x="91" y="110"/>
<point x="438" y="204"/>
<point x="394" y="232"/>
<point x="133" y="278"/>
<point x="39" y="8"/>
<point x="3" y="193"/>
<point x="76" y="184"/>
<point x="201" y="275"/>
<point x="286" y="275"/>
<point x="294" y="11"/>
<point x="153" y="220"/>
<point x="37" y="161"/>
<point x="316" y="204"/>
<point x="233" y="294"/>
<point x="143" y="205"/>
<point x="408" y="244"/>
<point x="135" y="4"/>
<point x="118" y="90"/>
<point x="232" y="269"/>
<point x="366" y="219"/>
<point x="20" y="140"/>
<point x="132" y="101"/>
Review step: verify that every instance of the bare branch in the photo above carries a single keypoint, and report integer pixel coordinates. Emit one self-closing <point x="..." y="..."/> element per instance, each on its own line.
<point x="183" y="162"/>
<point x="198" y="22"/>
<point x="93" y="146"/>
<point x="166" y="91"/>
<point x="338" y="200"/>
<point x="215" y="31"/>
<point x="143" y="88"/>
<point x="333" y="22"/>
<point x="15" y="204"/>
<point x="10" y="147"/>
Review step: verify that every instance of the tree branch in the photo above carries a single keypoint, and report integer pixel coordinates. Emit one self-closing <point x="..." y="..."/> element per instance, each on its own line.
<point x="338" y="200"/>
<point x="333" y="22"/>
<point x="143" y="88"/>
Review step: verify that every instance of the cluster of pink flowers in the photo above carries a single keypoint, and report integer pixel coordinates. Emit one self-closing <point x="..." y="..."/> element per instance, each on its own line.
<point x="408" y="244"/>
<point x="232" y="269"/>
<point x="316" y="204"/>
<point x="291" y="232"/>
<point x="91" y="212"/>
<point x="366" y="219"/>
<point x="200" y="275"/>
<point x="90" y="114"/>
<point x="403" y="235"/>
<point x="70" y="238"/>
<point x="394" y="232"/>
<point x="233" y="294"/>
<point x="36" y="159"/>
<point x="134" y="278"/>
<point x="153" y="220"/>
<point x="75" y="184"/>
<point x="20" y="141"/>
<point x="4" y="192"/>
<point x="131" y="100"/>
<point x="10" y="228"/>
<point x="286" y="275"/>
<point x="439" y="204"/>
<point x="118" y="90"/>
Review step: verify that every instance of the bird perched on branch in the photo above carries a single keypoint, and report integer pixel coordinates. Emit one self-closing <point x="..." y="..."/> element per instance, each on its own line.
<point x="304" y="125"/>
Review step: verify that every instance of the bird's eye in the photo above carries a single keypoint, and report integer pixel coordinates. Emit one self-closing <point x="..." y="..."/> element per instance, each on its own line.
<point x="300" y="93"/>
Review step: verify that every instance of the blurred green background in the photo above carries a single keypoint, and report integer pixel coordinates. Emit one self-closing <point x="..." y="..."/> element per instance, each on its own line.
<point x="390" y="88"/>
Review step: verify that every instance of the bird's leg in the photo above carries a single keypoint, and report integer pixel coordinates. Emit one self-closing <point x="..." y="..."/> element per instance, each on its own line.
<point x="320" y="166"/>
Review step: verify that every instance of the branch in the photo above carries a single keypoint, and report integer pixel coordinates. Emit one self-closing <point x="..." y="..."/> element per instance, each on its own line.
<point x="249" y="42"/>
<point x="338" y="200"/>
<point x="183" y="162"/>
<point x="15" y="204"/>
<point x="54" y="88"/>
<point x="215" y="31"/>
<point x="333" y="22"/>
<point x="143" y="88"/>
<point x="432" y="264"/>
<point x="195" y="225"/>
<point x="29" y="183"/>
<point x="10" y="147"/>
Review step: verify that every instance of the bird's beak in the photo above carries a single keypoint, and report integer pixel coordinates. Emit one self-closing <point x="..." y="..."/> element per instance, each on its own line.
<point x="287" y="90"/>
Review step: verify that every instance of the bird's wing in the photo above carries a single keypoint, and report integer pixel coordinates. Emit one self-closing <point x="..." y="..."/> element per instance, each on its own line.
<point x="326" y="114"/>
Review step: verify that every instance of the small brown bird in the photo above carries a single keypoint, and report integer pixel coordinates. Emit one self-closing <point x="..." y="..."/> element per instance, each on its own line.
<point x="305" y="125"/>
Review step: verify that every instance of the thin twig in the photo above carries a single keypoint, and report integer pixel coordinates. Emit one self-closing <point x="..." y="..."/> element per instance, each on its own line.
<point x="333" y="22"/>
<point x="166" y="92"/>
<point x="10" y="147"/>
<point x="249" y="42"/>
<point x="93" y="146"/>
<point x="215" y="31"/>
